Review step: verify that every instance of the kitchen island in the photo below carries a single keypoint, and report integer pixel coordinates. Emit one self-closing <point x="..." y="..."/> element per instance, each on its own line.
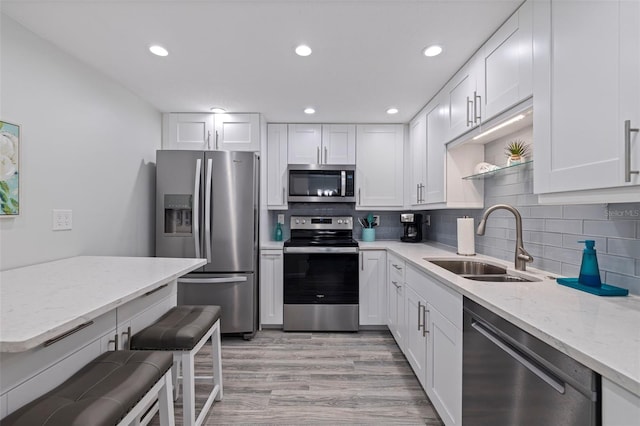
<point x="57" y="316"/>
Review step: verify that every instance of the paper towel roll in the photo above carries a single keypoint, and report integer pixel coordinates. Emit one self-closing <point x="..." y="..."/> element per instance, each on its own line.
<point x="466" y="236"/>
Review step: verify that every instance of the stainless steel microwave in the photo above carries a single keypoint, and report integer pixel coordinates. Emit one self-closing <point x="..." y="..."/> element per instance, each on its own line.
<point x="312" y="183"/>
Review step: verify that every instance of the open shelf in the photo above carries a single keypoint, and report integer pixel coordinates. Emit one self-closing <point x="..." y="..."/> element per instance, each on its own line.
<point x="497" y="171"/>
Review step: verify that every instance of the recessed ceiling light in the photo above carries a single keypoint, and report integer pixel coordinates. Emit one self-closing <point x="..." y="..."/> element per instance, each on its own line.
<point x="217" y="110"/>
<point x="434" y="50"/>
<point x="303" y="50"/>
<point x="158" y="50"/>
<point x="309" y="111"/>
<point x="392" y="111"/>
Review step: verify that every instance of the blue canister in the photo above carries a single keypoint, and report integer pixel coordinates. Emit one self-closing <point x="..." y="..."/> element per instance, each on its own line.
<point x="589" y="271"/>
<point x="368" y="234"/>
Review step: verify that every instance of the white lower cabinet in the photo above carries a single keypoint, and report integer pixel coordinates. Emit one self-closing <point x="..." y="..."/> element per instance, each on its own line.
<point x="433" y="341"/>
<point x="444" y="366"/>
<point x="396" y="320"/>
<point x="271" y="287"/>
<point x="416" y="340"/>
<point x="373" y="309"/>
<point x="619" y="406"/>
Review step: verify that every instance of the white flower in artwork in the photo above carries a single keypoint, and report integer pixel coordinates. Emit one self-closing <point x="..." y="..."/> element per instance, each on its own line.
<point x="8" y="155"/>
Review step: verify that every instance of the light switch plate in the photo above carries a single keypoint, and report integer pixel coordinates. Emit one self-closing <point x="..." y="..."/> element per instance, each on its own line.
<point x="376" y="220"/>
<point x="281" y="219"/>
<point x="62" y="220"/>
<point x="427" y="220"/>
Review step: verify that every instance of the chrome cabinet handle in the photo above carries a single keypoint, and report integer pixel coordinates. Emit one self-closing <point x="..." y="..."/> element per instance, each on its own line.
<point x="420" y="306"/>
<point x="115" y="342"/>
<point x="627" y="151"/>
<point x="477" y="107"/>
<point x="359" y="199"/>
<point x="208" y="139"/>
<point x="216" y="139"/>
<point x="69" y="333"/>
<point x="318" y="155"/>
<point x="128" y="340"/>
<point x="395" y="283"/>
<point x="326" y="155"/>
<point x="196" y="208"/>
<point x="425" y="311"/>
<point x="362" y="261"/>
<point x="396" y="266"/>
<point x="417" y="193"/>
<point x="149" y="293"/>
<point x="469" y="121"/>
<point x="284" y="197"/>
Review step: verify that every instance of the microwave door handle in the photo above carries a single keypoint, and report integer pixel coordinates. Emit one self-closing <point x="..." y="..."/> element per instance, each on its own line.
<point x="207" y="210"/>
<point x="196" y="208"/>
<point x="343" y="183"/>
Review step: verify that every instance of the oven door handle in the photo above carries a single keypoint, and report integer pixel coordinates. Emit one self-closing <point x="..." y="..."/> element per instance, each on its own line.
<point x="330" y="250"/>
<point x="496" y="340"/>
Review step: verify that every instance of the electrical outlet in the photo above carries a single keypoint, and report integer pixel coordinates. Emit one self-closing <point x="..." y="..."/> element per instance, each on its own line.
<point x="427" y="220"/>
<point x="376" y="220"/>
<point x="62" y="220"/>
<point x="281" y="219"/>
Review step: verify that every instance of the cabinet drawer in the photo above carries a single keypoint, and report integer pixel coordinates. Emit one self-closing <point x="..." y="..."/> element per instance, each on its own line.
<point x="20" y="366"/>
<point x="397" y="268"/>
<point x="441" y="297"/>
<point x="134" y="307"/>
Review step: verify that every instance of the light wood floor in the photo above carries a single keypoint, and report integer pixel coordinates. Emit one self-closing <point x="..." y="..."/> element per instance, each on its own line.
<point x="315" y="378"/>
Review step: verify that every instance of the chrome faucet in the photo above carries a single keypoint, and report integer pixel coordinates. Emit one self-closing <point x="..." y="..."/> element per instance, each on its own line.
<point x="522" y="257"/>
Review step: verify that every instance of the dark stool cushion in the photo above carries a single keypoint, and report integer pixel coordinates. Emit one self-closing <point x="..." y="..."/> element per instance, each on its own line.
<point x="179" y="329"/>
<point x="101" y="393"/>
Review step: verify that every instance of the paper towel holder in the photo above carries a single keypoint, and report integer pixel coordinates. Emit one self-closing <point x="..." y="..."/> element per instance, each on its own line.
<point x="466" y="243"/>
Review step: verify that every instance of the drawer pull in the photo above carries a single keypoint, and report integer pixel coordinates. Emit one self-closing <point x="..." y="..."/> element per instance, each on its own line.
<point x="67" y="333"/>
<point x="155" y="290"/>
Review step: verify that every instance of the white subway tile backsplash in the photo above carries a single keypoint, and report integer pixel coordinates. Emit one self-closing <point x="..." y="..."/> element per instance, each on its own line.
<point x="573" y="257"/>
<point x="545" y="212"/>
<point x="544" y="238"/>
<point x="570" y="241"/>
<point x="621" y="228"/>
<point x="570" y="270"/>
<point x="624" y="247"/>
<point x="533" y="224"/>
<point x="616" y="264"/>
<point x="548" y="265"/>
<point x="630" y="283"/>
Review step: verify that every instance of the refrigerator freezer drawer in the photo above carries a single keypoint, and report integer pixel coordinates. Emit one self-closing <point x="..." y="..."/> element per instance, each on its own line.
<point x="236" y="294"/>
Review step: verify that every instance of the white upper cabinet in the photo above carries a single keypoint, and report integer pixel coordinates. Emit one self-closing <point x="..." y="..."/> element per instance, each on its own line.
<point x="237" y="132"/>
<point x="435" y="188"/>
<point x="586" y="87"/>
<point x="187" y="131"/>
<point x="305" y="143"/>
<point x="507" y="64"/>
<point x="231" y="132"/>
<point x="418" y="159"/>
<point x="379" y="166"/>
<point x="276" y="154"/>
<point x="463" y="98"/>
<point x="338" y="144"/>
<point x="322" y="144"/>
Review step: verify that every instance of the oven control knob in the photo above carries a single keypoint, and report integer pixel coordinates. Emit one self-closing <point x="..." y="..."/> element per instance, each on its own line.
<point x="297" y="221"/>
<point x="304" y="221"/>
<point x="339" y="221"/>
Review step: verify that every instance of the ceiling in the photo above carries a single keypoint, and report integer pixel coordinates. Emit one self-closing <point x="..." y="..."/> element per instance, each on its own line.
<point x="239" y="54"/>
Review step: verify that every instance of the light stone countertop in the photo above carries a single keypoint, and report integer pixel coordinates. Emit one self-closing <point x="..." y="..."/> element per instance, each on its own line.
<point x="602" y="333"/>
<point x="42" y="301"/>
<point x="272" y="245"/>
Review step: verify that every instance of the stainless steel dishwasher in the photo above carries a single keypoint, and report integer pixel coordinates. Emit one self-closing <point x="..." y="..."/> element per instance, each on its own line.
<point x="510" y="377"/>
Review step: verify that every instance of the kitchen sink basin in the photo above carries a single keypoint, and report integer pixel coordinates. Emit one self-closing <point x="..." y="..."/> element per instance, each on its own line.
<point x="468" y="267"/>
<point x="479" y="271"/>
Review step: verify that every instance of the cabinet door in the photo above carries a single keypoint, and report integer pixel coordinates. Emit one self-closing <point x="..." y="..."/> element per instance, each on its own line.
<point x="338" y="144"/>
<point x="415" y="338"/>
<point x="444" y="368"/>
<point x="418" y="154"/>
<point x="237" y="132"/>
<point x="619" y="406"/>
<point x="187" y="131"/>
<point x="305" y="142"/>
<point x="277" y="166"/>
<point x="435" y="186"/>
<point x="507" y="59"/>
<point x="271" y="287"/>
<point x="462" y="99"/>
<point x="379" y="166"/>
<point x="372" y="287"/>
<point x="581" y="101"/>
<point x="396" y="299"/>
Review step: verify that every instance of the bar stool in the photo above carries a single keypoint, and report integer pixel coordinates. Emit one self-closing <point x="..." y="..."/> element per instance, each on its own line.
<point x="184" y="330"/>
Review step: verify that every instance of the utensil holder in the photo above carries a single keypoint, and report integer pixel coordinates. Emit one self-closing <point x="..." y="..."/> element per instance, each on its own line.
<point x="368" y="234"/>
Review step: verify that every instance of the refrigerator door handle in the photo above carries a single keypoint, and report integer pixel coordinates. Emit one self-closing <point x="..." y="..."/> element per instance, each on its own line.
<point x="212" y="280"/>
<point x="196" y="207"/>
<point x="207" y="211"/>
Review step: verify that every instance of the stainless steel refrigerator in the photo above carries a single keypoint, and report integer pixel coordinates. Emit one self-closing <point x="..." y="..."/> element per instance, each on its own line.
<point x="207" y="206"/>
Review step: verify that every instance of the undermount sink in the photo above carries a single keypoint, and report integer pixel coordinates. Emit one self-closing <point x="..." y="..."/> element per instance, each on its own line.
<point x="479" y="271"/>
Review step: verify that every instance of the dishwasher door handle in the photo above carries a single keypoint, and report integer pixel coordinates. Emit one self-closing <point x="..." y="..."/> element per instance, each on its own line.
<point x="498" y="341"/>
<point x="221" y="280"/>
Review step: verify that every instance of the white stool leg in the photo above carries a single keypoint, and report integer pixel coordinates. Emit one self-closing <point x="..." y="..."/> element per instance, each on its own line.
<point x="188" y="388"/>
<point x="175" y="373"/>
<point x="166" y="403"/>
<point x="216" y="354"/>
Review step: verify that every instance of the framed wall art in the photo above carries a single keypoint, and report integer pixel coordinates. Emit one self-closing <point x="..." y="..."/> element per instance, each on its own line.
<point x="9" y="169"/>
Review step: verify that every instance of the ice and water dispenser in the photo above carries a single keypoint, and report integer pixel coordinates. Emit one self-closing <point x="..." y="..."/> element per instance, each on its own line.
<point x="178" y="214"/>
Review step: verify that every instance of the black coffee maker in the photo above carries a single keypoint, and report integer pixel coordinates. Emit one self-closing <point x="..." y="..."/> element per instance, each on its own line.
<point x="412" y="227"/>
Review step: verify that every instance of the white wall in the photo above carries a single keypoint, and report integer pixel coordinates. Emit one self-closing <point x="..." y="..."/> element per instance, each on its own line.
<point x="87" y="144"/>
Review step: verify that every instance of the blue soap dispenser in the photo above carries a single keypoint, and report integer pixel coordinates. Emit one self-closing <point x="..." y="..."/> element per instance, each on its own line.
<point x="589" y="272"/>
<point x="278" y="232"/>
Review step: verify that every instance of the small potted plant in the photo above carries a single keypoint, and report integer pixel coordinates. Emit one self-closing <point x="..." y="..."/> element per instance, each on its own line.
<point x="516" y="150"/>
